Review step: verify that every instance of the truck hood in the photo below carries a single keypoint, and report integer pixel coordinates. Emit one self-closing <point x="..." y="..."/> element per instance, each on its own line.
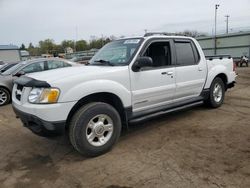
<point x="87" y="72"/>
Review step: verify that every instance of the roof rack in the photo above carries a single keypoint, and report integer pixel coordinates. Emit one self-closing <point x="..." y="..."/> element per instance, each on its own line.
<point x="160" y="33"/>
<point x="154" y="33"/>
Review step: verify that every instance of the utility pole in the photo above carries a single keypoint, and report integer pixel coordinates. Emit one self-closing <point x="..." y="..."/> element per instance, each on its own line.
<point x="227" y="17"/>
<point x="215" y="29"/>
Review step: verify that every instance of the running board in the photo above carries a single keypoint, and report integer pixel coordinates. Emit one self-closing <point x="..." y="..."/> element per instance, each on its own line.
<point x="143" y="118"/>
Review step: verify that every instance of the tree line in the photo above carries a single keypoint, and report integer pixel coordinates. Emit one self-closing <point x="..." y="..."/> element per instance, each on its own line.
<point x="48" y="46"/>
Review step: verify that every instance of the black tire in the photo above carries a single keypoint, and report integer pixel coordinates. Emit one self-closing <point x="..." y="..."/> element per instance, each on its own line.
<point x="78" y="128"/>
<point x="211" y="101"/>
<point x="4" y="96"/>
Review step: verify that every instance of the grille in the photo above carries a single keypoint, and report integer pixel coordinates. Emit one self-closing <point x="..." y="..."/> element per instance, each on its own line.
<point x="18" y="92"/>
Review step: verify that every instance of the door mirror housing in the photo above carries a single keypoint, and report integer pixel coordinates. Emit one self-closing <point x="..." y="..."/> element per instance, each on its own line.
<point x="142" y="62"/>
<point x="19" y="73"/>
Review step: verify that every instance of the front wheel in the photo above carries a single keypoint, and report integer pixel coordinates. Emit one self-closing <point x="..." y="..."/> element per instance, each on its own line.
<point x="95" y="128"/>
<point x="217" y="93"/>
<point x="4" y="96"/>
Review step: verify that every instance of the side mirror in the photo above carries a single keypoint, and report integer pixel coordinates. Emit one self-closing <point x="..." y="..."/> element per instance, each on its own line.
<point x="19" y="73"/>
<point x="142" y="62"/>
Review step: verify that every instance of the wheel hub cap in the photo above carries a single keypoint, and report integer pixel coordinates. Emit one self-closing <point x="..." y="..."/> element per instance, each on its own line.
<point x="99" y="130"/>
<point x="3" y="97"/>
<point x="217" y="93"/>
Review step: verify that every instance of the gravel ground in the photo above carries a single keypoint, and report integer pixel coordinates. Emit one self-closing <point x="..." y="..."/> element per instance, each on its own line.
<point x="200" y="147"/>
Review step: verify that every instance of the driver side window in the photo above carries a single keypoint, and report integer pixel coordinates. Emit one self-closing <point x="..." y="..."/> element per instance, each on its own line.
<point x="160" y="54"/>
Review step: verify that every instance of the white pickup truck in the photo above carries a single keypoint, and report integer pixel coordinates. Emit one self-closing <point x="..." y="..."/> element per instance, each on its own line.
<point x="128" y="80"/>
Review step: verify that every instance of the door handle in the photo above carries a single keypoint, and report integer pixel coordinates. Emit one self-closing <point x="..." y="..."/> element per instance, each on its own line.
<point x="199" y="69"/>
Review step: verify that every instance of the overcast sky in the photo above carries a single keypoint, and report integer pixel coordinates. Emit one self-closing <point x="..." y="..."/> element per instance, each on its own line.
<point x="24" y="21"/>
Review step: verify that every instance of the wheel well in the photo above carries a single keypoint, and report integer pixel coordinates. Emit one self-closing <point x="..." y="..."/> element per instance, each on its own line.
<point x="223" y="78"/>
<point x="109" y="98"/>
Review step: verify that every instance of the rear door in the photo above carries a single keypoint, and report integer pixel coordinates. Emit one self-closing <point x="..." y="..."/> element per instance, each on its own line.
<point x="190" y="70"/>
<point x="154" y="86"/>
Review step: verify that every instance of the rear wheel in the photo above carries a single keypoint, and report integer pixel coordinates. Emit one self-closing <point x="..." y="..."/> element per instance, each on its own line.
<point x="4" y="96"/>
<point x="217" y="93"/>
<point x="95" y="128"/>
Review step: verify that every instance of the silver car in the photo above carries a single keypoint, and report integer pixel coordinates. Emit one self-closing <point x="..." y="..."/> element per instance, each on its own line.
<point x="26" y="67"/>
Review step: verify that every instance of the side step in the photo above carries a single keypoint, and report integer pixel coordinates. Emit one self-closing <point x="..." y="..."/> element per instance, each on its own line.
<point x="150" y="116"/>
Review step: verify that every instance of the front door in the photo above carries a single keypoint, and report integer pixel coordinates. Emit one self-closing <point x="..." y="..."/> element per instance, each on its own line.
<point x="154" y="86"/>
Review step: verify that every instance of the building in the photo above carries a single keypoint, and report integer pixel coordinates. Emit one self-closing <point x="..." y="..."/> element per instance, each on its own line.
<point x="234" y="44"/>
<point x="9" y="53"/>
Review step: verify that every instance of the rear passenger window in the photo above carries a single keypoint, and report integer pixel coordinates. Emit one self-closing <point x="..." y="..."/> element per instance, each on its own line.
<point x="185" y="53"/>
<point x="57" y="64"/>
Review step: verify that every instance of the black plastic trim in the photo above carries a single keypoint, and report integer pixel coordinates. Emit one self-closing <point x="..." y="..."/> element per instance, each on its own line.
<point x="230" y="85"/>
<point x="31" y="82"/>
<point x="163" y="112"/>
<point x="205" y="93"/>
<point x="39" y="126"/>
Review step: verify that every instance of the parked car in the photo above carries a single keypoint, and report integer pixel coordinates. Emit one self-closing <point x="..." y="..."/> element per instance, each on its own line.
<point x="7" y="66"/>
<point x="128" y="80"/>
<point x="27" y="67"/>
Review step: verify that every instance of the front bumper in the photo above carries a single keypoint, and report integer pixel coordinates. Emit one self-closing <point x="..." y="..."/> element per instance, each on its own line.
<point x="39" y="126"/>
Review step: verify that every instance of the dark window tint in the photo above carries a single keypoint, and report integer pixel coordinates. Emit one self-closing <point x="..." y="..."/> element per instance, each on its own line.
<point x="184" y="53"/>
<point x="160" y="53"/>
<point x="34" y="67"/>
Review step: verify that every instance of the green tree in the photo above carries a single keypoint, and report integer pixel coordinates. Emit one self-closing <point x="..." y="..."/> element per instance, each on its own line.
<point x="46" y="46"/>
<point x="22" y="47"/>
<point x="30" y="45"/>
<point x="67" y="43"/>
<point x="81" y="45"/>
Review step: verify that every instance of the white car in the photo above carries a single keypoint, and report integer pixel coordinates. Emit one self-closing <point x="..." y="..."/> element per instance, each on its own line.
<point x="128" y="80"/>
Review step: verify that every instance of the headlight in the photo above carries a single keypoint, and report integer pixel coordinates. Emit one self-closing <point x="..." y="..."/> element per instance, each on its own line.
<point x="44" y="95"/>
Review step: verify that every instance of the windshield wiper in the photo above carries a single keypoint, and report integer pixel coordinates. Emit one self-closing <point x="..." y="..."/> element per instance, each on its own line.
<point x="104" y="62"/>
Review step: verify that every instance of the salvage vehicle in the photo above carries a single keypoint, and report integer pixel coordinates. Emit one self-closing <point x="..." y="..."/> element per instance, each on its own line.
<point x="128" y="80"/>
<point x="26" y="67"/>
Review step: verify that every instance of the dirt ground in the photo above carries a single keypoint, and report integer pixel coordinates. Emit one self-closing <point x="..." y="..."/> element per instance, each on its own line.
<point x="194" y="148"/>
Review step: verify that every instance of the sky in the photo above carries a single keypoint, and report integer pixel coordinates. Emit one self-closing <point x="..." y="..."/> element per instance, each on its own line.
<point x="25" y="21"/>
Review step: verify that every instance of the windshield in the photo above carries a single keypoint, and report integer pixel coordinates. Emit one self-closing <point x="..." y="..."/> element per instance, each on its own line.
<point x="13" y="69"/>
<point x="118" y="52"/>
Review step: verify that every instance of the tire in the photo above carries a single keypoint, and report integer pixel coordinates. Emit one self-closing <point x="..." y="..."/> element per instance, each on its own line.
<point x="4" y="96"/>
<point x="94" y="120"/>
<point x="216" y="99"/>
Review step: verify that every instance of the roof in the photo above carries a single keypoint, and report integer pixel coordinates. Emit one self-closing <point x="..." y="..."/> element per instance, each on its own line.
<point x="8" y="47"/>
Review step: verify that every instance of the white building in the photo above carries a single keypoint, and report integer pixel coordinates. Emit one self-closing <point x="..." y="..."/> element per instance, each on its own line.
<point x="9" y="53"/>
